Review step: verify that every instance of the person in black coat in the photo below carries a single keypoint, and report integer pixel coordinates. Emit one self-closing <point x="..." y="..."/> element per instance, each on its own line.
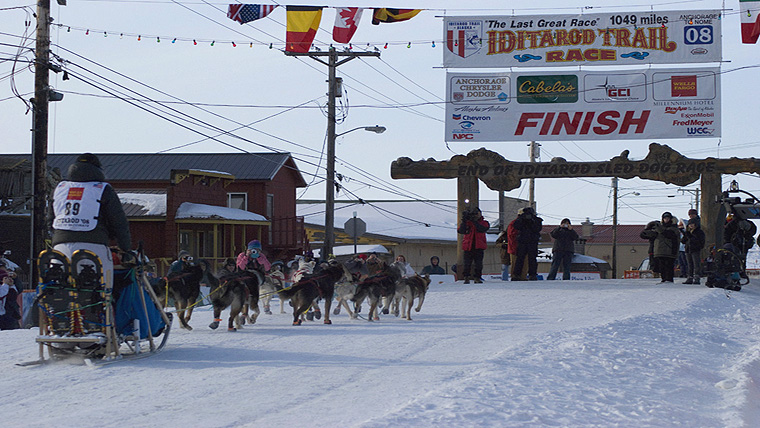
<point x="694" y="241"/>
<point x="646" y="234"/>
<point x="528" y="227"/>
<point x="563" y="249"/>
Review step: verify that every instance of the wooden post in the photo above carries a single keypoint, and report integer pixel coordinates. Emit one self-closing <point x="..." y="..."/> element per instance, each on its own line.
<point x="467" y="199"/>
<point x="709" y="210"/>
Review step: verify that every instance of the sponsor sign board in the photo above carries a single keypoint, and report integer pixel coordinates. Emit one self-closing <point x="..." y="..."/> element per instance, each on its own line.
<point x="670" y="37"/>
<point x="619" y="105"/>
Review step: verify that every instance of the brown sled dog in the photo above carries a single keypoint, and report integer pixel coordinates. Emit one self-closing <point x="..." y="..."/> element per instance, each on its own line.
<point x="319" y="285"/>
<point x="228" y="291"/>
<point x="407" y="289"/>
<point x="185" y="288"/>
<point x="378" y="286"/>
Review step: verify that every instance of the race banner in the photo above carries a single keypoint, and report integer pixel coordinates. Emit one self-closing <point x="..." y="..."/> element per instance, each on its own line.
<point x="611" y="105"/>
<point x="672" y="37"/>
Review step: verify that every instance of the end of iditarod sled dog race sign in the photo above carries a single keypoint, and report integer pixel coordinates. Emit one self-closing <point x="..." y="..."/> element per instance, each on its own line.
<point x="662" y="37"/>
<point x="611" y="105"/>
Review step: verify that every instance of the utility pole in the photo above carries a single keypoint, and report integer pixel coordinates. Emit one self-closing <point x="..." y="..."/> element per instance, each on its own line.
<point x="40" y="133"/>
<point x="534" y="154"/>
<point x="695" y="192"/>
<point x="332" y="63"/>
<point x="614" y="225"/>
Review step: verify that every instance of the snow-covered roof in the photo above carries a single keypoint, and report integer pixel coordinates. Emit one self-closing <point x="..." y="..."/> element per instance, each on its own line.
<point x="145" y="204"/>
<point x="344" y="250"/>
<point x="544" y="256"/>
<point x="188" y="210"/>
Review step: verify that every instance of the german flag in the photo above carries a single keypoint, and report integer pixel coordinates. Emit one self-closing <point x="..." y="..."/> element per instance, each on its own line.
<point x="388" y="15"/>
<point x="303" y="22"/>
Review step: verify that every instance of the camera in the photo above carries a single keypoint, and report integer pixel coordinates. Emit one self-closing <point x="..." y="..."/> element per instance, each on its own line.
<point x="471" y="215"/>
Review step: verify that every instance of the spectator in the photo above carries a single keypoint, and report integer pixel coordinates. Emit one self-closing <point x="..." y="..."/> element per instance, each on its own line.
<point x="522" y="275"/>
<point x="562" y="249"/>
<point x="88" y="214"/>
<point x="408" y="271"/>
<point x="666" y="240"/>
<point x="183" y="262"/>
<point x="9" y="309"/>
<point x="528" y="227"/>
<point x="694" y="241"/>
<point x="503" y="242"/>
<point x="228" y="269"/>
<point x="473" y="226"/>
<point x="253" y="258"/>
<point x="645" y="234"/>
<point x="433" y="268"/>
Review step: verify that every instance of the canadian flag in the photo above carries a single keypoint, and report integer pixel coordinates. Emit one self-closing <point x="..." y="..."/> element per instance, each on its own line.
<point x="346" y="23"/>
<point x="750" y="13"/>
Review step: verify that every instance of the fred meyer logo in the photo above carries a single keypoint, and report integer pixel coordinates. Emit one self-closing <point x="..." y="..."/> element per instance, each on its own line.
<point x="683" y="86"/>
<point x="547" y="89"/>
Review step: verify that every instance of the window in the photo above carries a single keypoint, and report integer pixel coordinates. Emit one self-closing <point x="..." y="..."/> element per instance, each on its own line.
<point x="237" y="200"/>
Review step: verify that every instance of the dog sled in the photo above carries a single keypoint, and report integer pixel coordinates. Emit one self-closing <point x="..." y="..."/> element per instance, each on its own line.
<point x="82" y="315"/>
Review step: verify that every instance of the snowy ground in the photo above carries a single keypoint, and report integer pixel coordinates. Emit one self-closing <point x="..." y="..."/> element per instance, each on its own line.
<point x="578" y="353"/>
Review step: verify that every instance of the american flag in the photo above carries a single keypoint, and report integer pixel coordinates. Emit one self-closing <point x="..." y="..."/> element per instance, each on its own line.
<point x="243" y="13"/>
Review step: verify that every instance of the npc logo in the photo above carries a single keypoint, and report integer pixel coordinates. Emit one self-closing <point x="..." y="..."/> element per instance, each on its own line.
<point x="463" y="37"/>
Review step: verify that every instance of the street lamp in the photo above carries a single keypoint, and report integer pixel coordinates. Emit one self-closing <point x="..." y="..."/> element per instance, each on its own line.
<point x="329" y="242"/>
<point x="615" y="198"/>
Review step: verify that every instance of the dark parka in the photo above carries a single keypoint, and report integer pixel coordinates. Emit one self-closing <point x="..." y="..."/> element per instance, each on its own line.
<point x="112" y="222"/>
<point x="528" y="228"/>
<point x="694" y="241"/>
<point x="667" y="238"/>
<point x="564" y="240"/>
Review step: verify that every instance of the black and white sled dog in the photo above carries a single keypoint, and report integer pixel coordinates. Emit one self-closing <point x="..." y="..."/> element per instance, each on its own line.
<point x="185" y="288"/>
<point x="252" y="279"/>
<point x="381" y="285"/>
<point x="319" y="285"/>
<point x="408" y="289"/>
<point x="228" y="292"/>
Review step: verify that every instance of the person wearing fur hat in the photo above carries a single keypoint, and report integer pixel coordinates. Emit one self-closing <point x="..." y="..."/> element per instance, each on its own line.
<point x="694" y="241"/>
<point x="88" y="214"/>
<point x="666" y="238"/>
<point x="253" y="258"/>
<point x="473" y="226"/>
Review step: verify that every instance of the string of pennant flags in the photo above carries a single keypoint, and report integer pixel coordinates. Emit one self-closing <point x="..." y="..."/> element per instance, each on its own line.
<point x="157" y="38"/>
<point x="303" y="22"/>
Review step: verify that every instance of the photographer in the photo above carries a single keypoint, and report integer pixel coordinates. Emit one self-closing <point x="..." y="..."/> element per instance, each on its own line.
<point x="528" y="227"/>
<point x="563" y="249"/>
<point x="473" y="226"/>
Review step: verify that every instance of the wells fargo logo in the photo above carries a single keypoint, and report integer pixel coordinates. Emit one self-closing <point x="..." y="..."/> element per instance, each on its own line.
<point x="75" y="194"/>
<point x="553" y="89"/>
<point x="683" y="86"/>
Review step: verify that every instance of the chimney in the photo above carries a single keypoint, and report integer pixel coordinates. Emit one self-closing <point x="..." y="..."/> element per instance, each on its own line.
<point x="587" y="228"/>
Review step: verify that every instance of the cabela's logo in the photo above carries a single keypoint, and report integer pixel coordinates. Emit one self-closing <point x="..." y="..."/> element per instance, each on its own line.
<point x="463" y="37"/>
<point x="550" y="89"/>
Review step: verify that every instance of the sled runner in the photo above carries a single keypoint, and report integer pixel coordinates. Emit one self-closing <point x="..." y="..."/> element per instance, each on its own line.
<point x="83" y="315"/>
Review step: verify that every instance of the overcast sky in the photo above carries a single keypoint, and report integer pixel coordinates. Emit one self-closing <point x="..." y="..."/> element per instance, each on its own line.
<point x="279" y="97"/>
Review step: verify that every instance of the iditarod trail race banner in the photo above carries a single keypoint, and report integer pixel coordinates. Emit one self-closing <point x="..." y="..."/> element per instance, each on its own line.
<point x="581" y="105"/>
<point x="631" y="38"/>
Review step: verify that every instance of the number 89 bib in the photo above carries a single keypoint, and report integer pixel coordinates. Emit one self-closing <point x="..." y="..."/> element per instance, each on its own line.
<point x="76" y="205"/>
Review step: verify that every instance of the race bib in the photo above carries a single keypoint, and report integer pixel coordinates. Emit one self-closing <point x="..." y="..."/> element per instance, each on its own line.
<point x="76" y="205"/>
